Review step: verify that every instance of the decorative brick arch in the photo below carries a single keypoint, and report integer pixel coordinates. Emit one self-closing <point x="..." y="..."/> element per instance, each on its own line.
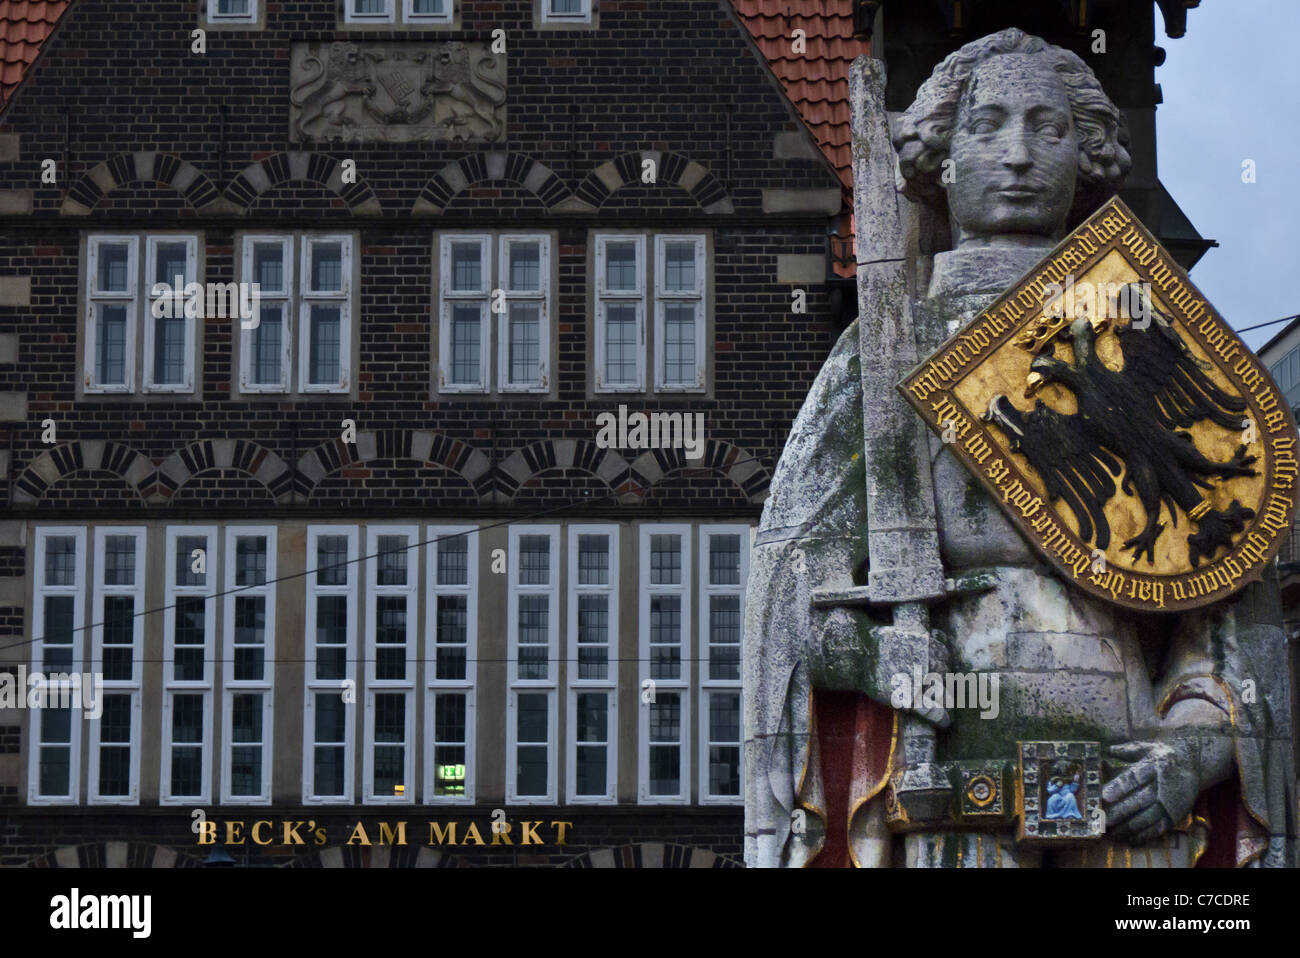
<point x="278" y="168"/>
<point x="474" y="168"/>
<point x="134" y="468"/>
<point x="671" y="169"/>
<point x="206" y="454"/>
<point x="378" y="856"/>
<point x="115" y="855"/>
<point x="164" y="169"/>
<point x="581" y="454"/>
<point x="429" y="448"/>
<point x="652" y="855"/>
<point x="742" y="468"/>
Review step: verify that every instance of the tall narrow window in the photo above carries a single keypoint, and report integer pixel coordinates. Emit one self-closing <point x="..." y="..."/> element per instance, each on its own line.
<point x="58" y="617"/>
<point x="391" y="589"/>
<point x="248" y="665"/>
<point x="331" y="628"/>
<point x="188" y="642"/>
<point x="665" y="578"/>
<point x="111" y="309"/>
<point x="264" y="354"/>
<point x="326" y="314"/>
<point x="592" y="754"/>
<point x="117" y="638"/>
<point x="679" y="312"/>
<point x="620" y="312"/>
<point x="524" y="324"/>
<point x="533" y="617"/>
<point x="465" y="270"/>
<point x="724" y="567"/>
<point x="172" y="264"/>
<point x="451" y="620"/>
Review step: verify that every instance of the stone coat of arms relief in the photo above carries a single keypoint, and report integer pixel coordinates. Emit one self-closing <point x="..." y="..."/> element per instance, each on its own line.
<point x="396" y="92"/>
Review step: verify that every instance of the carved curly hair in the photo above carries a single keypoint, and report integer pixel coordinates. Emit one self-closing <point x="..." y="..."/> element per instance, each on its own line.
<point x="925" y="129"/>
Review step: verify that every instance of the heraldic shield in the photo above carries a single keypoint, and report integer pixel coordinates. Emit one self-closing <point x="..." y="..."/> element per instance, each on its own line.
<point x="1119" y="422"/>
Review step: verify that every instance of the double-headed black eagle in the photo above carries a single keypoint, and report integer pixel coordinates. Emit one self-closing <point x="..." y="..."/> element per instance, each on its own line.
<point x="1133" y="417"/>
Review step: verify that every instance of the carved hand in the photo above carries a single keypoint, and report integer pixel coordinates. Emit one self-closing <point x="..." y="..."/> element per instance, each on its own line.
<point x="854" y="653"/>
<point x="1147" y="799"/>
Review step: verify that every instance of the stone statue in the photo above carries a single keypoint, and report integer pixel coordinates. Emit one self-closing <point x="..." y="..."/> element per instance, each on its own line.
<point x="1159" y="740"/>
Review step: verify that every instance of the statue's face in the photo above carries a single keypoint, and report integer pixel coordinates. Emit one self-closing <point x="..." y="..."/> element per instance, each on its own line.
<point x="1015" y="153"/>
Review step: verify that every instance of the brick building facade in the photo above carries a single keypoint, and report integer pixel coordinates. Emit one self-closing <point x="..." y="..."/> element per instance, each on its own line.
<point x="371" y="560"/>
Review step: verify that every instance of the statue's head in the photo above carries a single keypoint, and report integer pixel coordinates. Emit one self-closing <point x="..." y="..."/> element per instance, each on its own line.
<point x="1034" y="141"/>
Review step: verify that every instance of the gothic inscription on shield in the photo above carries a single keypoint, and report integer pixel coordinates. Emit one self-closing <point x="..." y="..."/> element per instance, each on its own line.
<point x="1119" y="422"/>
<point x="396" y="92"/>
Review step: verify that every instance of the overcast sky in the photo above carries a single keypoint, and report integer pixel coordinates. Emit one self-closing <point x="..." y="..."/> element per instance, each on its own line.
<point x="1231" y="93"/>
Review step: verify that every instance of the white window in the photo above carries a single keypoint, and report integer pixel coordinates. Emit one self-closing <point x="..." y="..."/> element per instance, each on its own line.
<point x="138" y="312"/>
<point x="451" y="628"/>
<point x="516" y="289"/>
<point x="331" y="628"/>
<point x="189" y="624"/>
<point x="325" y="314"/>
<point x="620" y="313"/>
<point x="679" y="313"/>
<point x="232" y="11"/>
<point x="533" y="621"/>
<point x="523" y="336"/>
<point x="664" y="746"/>
<point x="566" y="11"/>
<point x="592" y="720"/>
<point x="665" y="655"/>
<point x="724" y="567"/>
<point x="112" y="305"/>
<point x="392" y="578"/>
<point x="265" y="351"/>
<point x="117" y="641"/>
<point x="58" y="617"/>
<point x="385" y="11"/>
<point x="248" y="665"/>
<point x="676" y="298"/>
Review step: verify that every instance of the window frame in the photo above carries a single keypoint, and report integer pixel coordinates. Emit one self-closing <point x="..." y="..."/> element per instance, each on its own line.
<point x="284" y="298"/>
<point x="311" y="684"/>
<point x="540" y="297"/>
<point x="604" y="297"/>
<point x="76" y="592"/>
<point x="201" y="687"/>
<point x="577" y="686"/>
<point x="708" y="685"/>
<point x="434" y="686"/>
<point x="230" y="686"/>
<point x="405" y="687"/>
<point x="130" y="298"/>
<point x="350" y="16"/>
<point x="646" y="590"/>
<point x="550" y="18"/>
<point x="663" y="297"/>
<point x="447" y="298"/>
<point x="309" y="298"/>
<point x="215" y="18"/>
<point x="446" y="18"/>
<point x="131" y="687"/>
<point x="149" y="328"/>
<point x="516" y="685"/>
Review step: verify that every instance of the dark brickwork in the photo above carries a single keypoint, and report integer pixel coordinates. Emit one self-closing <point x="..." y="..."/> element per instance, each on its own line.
<point x="10" y="739"/>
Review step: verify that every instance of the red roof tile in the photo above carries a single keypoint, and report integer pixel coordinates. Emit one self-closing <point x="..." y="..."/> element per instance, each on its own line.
<point x="817" y="78"/>
<point x="24" y="26"/>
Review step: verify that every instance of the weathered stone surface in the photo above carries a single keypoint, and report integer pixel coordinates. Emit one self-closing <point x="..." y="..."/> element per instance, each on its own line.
<point x="15" y="290"/>
<point x="396" y="92"/>
<point x="823" y="202"/>
<point x="15" y="202"/>
<point x="800" y="268"/>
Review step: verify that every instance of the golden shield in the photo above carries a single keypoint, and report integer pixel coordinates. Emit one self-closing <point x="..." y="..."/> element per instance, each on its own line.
<point x="1119" y="422"/>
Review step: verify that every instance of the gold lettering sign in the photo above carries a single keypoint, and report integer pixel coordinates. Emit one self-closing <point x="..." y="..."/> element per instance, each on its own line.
<point x="1119" y="422"/>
